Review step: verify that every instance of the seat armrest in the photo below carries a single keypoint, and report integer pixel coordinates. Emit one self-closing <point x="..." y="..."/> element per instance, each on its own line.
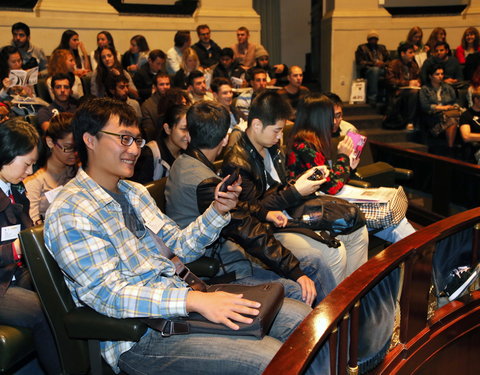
<point x="403" y="174"/>
<point x="86" y="323"/>
<point x="359" y="183"/>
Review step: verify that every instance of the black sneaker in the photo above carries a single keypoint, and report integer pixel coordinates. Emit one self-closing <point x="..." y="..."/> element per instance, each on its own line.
<point x="459" y="280"/>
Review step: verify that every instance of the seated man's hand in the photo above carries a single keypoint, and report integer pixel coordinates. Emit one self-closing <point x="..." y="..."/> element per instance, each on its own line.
<point x="222" y="307"/>
<point x="308" y="289"/>
<point x="414" y="83"/>
<point x="224" y="202"/>
<point x="305" y="186"/>
<point x="278" y="218"/>
<point x="450" y="80"/>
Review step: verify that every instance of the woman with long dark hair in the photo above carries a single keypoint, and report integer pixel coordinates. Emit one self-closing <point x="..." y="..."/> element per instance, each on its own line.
<point x="71" y="42"/>
<point x="311" y="145"/>
<point x="104" y="39"/>
<point x="136" y="55"/>
<point x="59" y="166"/>
<point x="173" y="138"/>
<point x="19" y="304"/>
<point x="11" y="59"/>
<point x="109" y="64"/>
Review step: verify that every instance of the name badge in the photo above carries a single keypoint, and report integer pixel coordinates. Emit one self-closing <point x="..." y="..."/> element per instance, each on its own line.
<point x="50" y="195"/>
<point x="11" y="232"/>
<point x="155" y="224"/>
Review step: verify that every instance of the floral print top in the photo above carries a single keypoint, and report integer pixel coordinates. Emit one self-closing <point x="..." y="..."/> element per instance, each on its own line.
<point x="304" y="156"/>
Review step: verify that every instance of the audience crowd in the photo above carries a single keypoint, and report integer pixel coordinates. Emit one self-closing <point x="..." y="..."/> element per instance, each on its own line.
<point x="196" y="107"/>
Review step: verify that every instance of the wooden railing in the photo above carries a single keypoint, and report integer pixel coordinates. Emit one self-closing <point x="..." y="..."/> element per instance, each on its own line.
<point x="426" y="345"/>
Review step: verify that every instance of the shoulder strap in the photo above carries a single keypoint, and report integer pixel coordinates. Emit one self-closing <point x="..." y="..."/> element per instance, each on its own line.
<point x="158" y="166"/>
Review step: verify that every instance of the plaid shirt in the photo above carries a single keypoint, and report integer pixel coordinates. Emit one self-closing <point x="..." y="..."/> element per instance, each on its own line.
<point x="110" y="269"/>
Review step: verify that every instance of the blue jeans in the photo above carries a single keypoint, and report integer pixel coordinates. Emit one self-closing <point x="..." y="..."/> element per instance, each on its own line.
<point x="250" y="273"/>
<point x="21" y="307"/>
<point x="218" y="354"/>
<point x="373" y="75"/>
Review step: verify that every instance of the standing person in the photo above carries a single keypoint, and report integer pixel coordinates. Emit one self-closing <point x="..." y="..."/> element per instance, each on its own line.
<point x="104" y="39"/>
<point x="207" y="50"/>
<point x="137" y="54"/>
<point x="31" y="55"/>
<point x="264" y="182"/>
<point x="59" y="167"/>
<point x="19" y="304"/>
<point x="182" y="41"/>
<point x="159" y="154"/>
<point x="244" y="51"/>
<point x="123" y="274"/>
<point x="469" y="44"/>
<point x="109" y="64"/>
<point x="190" y="63"/>
<point x="437" y="97"/>
<point x="70" y="41"/>
<point x="63" y="62"/>
<point x="371" y="59"/>
<point x="294" y="91"/>
<point x="144" y="77"/>
<point x="310" y="145"/>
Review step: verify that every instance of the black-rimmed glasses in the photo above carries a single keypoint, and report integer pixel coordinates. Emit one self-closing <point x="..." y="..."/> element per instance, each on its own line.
<point x="127" y="140"/>
<point x="65" y="149"/>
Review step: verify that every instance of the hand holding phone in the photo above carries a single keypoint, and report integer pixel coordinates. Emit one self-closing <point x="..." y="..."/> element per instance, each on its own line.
<point x="230" y="180"/>
<point x="317" y="175"/>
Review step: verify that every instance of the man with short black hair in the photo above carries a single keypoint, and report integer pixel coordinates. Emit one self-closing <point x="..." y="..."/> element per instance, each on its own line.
<point x="229" y="68"/>
<point x="101" y="228"/>
<point x="117" y="88"/>
<point x="182" y="41"/>
<point x="31" y="55"/>
<point x="197" y="87"/>
<point x="264" y="182"/>
<point x="451" y="67"/>
<point x="207" y="50"/>
<point x="259" y="83"/>
<point x="63" y="101"/>
<point x="145" y="76"/>
<point x="190" y="189"/>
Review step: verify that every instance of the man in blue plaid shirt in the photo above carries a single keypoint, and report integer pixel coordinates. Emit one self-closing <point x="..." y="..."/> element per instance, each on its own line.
<point x="97" y="230"/>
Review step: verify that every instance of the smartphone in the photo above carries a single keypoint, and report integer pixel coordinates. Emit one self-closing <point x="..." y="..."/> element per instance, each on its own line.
<point x="317" y="175"/>
<point x="230" y="180"/>
<point x="358" y="143"/>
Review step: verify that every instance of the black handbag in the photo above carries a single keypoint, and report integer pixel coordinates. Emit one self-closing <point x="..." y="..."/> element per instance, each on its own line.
<point x="335" y="215"/>
<point x="270" y="295"/>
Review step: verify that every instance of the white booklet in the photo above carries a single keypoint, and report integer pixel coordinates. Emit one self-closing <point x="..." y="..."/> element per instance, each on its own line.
<point x="24" y="77"/>
<point x="356" y="194"/>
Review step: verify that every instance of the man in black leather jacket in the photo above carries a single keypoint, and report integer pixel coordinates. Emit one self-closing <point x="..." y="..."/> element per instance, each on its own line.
<point x="190" y="190"/>
<point x="262" y="168"/>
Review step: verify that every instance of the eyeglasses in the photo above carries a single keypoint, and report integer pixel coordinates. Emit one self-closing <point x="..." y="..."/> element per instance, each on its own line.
<point x="338" y="115"/>
<point x="65" y="149"/>
<point x="127" y="140"/>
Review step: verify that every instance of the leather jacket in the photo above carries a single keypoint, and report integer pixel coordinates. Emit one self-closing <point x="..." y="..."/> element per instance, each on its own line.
<point x="278" y="197"/>
<point x="245" y="228"/>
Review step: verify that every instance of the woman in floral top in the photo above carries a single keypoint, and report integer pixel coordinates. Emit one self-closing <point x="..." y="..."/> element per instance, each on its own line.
<point x="311" y="144"/>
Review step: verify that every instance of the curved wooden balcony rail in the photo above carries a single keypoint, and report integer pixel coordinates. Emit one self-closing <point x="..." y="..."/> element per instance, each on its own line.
<point x="420" y="338"/>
